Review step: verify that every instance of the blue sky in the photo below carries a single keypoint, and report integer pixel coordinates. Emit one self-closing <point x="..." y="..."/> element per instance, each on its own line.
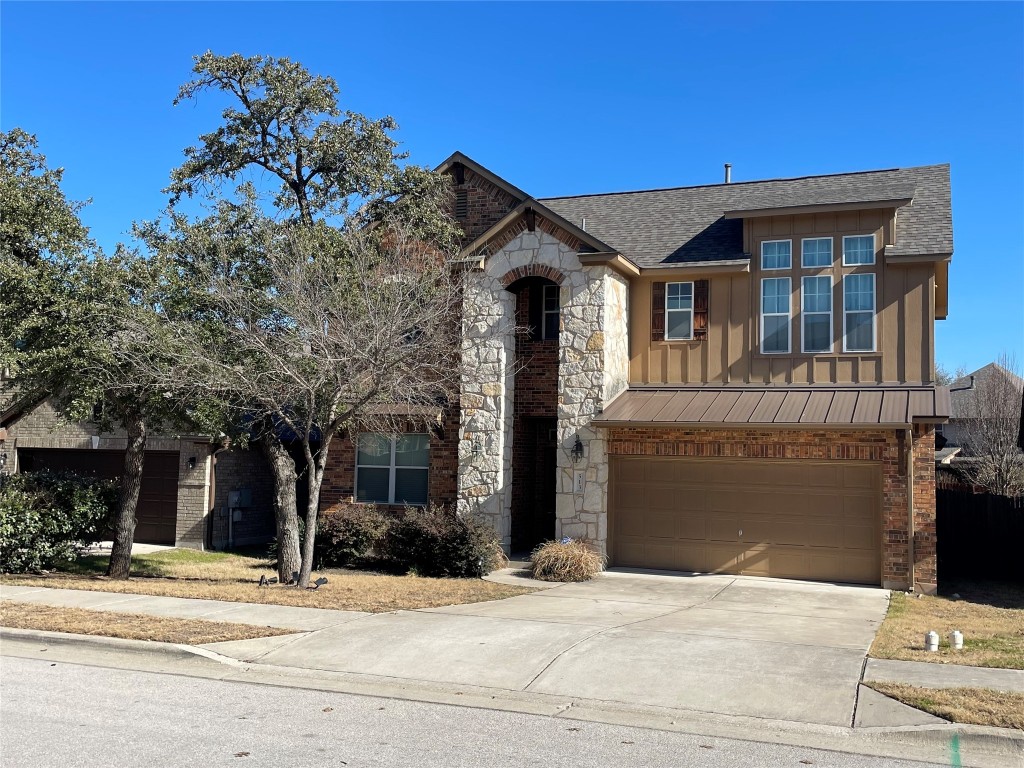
<point x="573" y="98"/>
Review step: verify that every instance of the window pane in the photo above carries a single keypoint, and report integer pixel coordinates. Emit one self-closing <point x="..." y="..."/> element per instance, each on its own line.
<point x="550" y="298"/>
<point x="775" y="295"/>
<point x="817" y="294"/>
<point x="412" y="451"/>
<point x="859" y="250"/>
<point x="551" y="325"/>
<point x="817" y="252"/>
<point x="858" y="332"/>
<point x="410" y="486"/>
<point x="816" y="333"/>
<point x="776" y="334"/>
<point x="776" y="255"/>
<point x="372" y="484"/>
<point x="679" y="295"/>
<point x="859" y="293"/>
<point x="373" y="450"/>
<point x="679" y="325"/>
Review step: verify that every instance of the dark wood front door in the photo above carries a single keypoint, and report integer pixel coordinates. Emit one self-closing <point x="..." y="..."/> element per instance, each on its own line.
<point x="534" y="475"/>
<point x="157" y="512"/>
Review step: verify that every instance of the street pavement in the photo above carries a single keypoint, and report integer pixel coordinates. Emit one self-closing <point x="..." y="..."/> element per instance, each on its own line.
<point x="57" y="714"/>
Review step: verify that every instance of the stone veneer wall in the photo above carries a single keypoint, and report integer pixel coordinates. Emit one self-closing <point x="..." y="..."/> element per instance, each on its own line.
<point x="44" y="428"/>
<point x="587" y="376"/>
<point x="884" y="446"/>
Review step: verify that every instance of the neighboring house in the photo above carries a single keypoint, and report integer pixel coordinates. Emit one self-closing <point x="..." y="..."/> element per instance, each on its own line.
<point x="733" y="378"/>
<point x="990" y="380"/>
<point x="192" y="494"/>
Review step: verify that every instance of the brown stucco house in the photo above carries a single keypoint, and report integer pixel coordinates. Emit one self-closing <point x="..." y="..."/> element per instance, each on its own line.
<point x="734" y="378"/>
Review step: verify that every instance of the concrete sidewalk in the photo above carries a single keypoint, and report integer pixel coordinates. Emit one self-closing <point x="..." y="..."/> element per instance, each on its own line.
<point x="752" y="648"/>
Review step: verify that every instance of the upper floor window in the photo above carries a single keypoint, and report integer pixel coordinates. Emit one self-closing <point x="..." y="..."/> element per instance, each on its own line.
<point x="776" y="254"/>
<point x="858" y="249"/>
<point x="392" y="470"/>
<point x="775" y="306"/>
<point x="859" y="313"/>
<point x="816" y="314"/>
<point x="679" y="311"/>
<point x="816" y="252"/>
<point x="550" y="313"/>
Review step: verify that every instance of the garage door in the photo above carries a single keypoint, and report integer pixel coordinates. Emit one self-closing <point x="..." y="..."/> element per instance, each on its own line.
<point x="789" y="519"/>
<point x="158" y="496"/>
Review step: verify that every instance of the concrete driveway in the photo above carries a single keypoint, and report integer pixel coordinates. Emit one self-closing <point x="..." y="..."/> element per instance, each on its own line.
<point x="731" y="645"/>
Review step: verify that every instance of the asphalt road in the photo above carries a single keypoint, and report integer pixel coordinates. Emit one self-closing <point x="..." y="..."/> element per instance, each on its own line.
<point x="68" y="715"/>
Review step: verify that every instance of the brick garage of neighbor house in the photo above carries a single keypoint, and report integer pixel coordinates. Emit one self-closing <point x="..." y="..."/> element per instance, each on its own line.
<point x="881" y="445"/>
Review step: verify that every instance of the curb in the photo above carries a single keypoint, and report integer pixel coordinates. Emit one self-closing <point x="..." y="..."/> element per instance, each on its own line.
<point x="980" y="746"/>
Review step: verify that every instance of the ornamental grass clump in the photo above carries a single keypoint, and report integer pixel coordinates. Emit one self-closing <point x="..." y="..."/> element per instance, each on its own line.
<point x="566" y="560"/>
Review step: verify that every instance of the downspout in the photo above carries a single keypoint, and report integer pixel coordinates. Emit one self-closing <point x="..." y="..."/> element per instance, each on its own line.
<point x="909" y="443"/>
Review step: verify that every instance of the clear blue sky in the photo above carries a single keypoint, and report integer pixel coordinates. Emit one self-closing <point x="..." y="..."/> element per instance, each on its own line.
<point x="574" y="98"/>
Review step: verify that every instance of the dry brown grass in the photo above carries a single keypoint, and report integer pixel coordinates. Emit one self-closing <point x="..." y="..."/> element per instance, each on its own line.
<point x="977" y="706"/>
<point x="130" y="626"/>
<point x="991" y="618"/>
<point x="574" y="561"/>
<point x="223" y="576"/>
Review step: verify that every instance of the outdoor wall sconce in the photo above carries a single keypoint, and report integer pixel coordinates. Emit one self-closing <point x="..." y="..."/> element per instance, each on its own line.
<point x="577" y="451"/>
<point x="476" y="448"/>
<point x="191" y="462"/>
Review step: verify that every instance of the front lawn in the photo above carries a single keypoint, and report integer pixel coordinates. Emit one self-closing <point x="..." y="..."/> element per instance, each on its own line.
<point x="234" y="577"/>
<point x="990" y="615"/>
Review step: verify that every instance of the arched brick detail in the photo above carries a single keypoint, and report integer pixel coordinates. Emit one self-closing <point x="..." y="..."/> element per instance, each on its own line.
<point x="532" y="270"/>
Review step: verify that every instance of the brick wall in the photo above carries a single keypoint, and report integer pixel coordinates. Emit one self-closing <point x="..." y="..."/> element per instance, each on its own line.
<point x="478" y="205"/>
<point x="239" y="471"/>
<point x="884" y="446"/>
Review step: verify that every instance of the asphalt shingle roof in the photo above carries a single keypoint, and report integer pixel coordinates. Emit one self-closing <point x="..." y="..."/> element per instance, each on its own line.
<point x="663" y="227"/>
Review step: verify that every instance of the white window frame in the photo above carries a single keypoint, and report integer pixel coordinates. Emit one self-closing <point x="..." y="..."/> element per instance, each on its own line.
<point x="391" y="467"/>
<point x="544" y="311"/>
<point x="788" y="315"/>
<point x="803" y="250"/>
<point x="689" y="311"/>
<point x="804" y="313"/>
<point x="874" y="246"/>
<point x="874" y="312"/>
<point x="776" y="269"/>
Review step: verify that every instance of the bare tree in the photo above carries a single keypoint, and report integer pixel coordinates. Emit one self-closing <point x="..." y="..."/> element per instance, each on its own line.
<point x="944" y="377"/>
<point x="989" y="422"/>
<point x="354" y="328"/>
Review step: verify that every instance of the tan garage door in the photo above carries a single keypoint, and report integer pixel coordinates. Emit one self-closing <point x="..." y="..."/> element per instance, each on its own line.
<point x="790" y="519"/>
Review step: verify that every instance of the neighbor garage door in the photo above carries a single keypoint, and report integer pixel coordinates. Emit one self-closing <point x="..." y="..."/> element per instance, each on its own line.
<point x="158" y="496"/>
<point x="790" y="519"/>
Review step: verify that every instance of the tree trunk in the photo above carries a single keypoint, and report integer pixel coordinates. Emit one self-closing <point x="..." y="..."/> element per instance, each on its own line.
<point x="286" y="513"/>
<point x="312" y="509"/>
<point x="131" y="480"/>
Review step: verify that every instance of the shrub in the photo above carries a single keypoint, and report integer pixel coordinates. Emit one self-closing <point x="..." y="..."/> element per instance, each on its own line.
<point x="47" y="517"/>
<point x="436" y="541"/>
<point x="566" y="560"/>
<point x="346" y="533"/>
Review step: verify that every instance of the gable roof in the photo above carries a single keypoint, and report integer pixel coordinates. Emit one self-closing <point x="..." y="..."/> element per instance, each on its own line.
<point x="964" y="390"/>
<point x="686" y="225"/>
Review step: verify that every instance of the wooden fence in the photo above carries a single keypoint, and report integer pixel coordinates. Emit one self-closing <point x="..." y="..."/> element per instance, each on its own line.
<point x="980" y="536"/>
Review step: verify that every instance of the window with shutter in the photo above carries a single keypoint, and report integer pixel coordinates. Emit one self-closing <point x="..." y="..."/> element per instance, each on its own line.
<point x="700" y="309"/>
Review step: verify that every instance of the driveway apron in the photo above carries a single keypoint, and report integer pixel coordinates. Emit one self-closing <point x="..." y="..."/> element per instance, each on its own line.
<point x="730" y="645"/>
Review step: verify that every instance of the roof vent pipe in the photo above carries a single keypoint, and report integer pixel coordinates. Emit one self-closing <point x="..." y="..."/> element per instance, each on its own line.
<point x="728" y="173"/>
<point x="583" y="224"/>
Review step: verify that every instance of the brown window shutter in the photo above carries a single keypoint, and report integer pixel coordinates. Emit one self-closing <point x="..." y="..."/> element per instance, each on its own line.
<point x="657" y="311"/>
<point x="700" y="309"/>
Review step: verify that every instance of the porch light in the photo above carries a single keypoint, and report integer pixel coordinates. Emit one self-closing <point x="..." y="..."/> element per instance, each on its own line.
<point x="577" y="451"/>
<point x="476" y="448"/>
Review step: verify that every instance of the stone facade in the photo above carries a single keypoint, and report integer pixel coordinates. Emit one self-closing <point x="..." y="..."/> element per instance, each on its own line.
<point x="44" y="428"/>
<point x="887" y="447"/>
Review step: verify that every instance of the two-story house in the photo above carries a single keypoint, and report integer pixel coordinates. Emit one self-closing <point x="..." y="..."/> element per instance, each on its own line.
<point x="731" y="378"/>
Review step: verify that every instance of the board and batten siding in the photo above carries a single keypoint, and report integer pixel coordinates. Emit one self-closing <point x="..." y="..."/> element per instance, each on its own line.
<point x="904" y="325"/>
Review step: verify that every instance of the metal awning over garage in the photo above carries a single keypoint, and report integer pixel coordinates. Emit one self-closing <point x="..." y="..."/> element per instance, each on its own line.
<point x="785" y="406"/>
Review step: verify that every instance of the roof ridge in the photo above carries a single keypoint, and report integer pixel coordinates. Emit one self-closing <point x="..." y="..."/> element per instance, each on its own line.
<point x="741" y="183"/>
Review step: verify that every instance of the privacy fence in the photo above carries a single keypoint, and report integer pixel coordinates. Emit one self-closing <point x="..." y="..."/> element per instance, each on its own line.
<point x="980" y="536"/>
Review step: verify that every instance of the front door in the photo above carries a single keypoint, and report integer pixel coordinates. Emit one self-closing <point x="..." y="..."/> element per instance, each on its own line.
<point x="533" y="479"/>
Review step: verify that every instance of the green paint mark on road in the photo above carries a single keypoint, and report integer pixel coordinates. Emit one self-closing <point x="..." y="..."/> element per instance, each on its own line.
<point x="954" y="751"/>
